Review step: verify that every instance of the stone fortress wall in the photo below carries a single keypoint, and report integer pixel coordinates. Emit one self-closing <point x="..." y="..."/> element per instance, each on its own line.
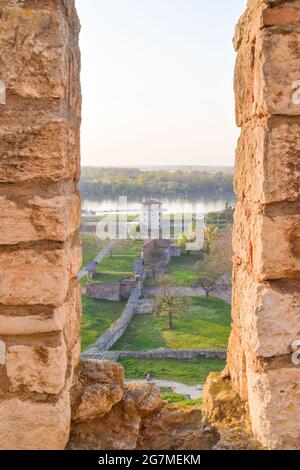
<point x="165" y="353"/>
<point x="112" y="334"/>
<point x="266" y="294"/>
<point x="40" y="253"/>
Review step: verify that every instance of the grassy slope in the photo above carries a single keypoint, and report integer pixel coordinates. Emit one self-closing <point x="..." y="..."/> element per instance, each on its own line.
<point x="90" y="248"/>
<point x="97" y="316"/>
<point x="187" y="372"/>
<point x="203" y="324"/>
<point x="120" y="264"/>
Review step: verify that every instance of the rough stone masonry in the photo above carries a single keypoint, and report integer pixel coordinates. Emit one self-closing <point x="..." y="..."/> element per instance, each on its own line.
<point x="40" y="216"/>
<point x="266" y="294"/>
<point x="39" y="233"/>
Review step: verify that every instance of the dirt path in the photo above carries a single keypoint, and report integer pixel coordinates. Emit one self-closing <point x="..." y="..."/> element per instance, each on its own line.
<point x="191" y="390"/>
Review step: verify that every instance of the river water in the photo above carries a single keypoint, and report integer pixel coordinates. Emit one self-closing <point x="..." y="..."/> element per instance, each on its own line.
<point x="170" y="204"/>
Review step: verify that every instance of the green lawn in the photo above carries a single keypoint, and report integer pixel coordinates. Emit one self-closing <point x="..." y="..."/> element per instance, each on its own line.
<point x="98" y="315"/>
<point x="120" y="265"/>
<point x="202" y="324"/>
<point x="181" y="270"/>
<point x="187" y="372"/>
<point x="178" y="398"/>
<point x="114" y="269"/>
<point x="128" y="247"/>
<point x="90" y="247"/>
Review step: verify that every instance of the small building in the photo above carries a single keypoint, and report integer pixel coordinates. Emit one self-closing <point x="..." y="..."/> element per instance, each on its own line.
<point x="151" y="218"/>
<point x="117" y="291"/>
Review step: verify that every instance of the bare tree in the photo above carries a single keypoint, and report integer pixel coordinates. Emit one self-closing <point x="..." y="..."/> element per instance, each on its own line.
<point x="169" y="299"/>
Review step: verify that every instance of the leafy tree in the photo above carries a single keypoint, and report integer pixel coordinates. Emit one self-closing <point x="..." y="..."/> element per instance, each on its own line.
<point x="211" y="234"/>
<point x="131" y="181"/>
<point x="221" y="250"/>
<point x="211" y="276"/>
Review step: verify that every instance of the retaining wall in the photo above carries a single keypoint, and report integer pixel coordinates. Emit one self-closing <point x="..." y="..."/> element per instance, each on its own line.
<point x="163" y="353"/>
<point x="111" y="336"/>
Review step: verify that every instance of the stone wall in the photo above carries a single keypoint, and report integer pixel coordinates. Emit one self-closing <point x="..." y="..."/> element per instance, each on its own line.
<point x="116" y="291"/>
<point x="103" y="291"/>
<point x="112" y="334"/>
<point x="266" y="297"/>
<point x="40" y="216"/>
<point x="164" y="353"/>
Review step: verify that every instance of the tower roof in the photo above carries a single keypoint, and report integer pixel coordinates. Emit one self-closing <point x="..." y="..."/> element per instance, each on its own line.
<point x="149" y="202"/>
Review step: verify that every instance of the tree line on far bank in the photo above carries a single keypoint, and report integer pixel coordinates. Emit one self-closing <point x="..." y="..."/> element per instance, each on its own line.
<point x="114" y="182"/>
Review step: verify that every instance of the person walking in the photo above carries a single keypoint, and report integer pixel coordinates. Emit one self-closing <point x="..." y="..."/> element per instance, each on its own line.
<point x="149" y="378"/>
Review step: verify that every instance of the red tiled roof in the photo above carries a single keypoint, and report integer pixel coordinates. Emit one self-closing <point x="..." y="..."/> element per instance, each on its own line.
<point x="151" y="201"/>
<point x="160" y="242"/>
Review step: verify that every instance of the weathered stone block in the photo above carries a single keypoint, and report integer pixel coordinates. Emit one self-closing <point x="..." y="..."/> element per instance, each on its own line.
<point x="37" y="277"/>
<point x="73" y="362"/>
<point x="100" y="372"/>
<point x="236" y="363"/>
<point x="220" y="400"/>
<point x="48" y="151"/>
<point x="268" y="246"/>
<point x="40" y="219"/>
<point x="39" y="368"/>
<point x="28" y="425"/>
<point x="96" y="400"/>
<point x="142" y="399"/>
<point x="268" y="161"/>
<point x="73" y="314"/>
<point x="74" y="258"/>
<point x="267" y="74"/>
<point x="274" y="397"/>
<point x="22" y="322"/>
<point x="115" y="431"/>
<point x="98" y="386"/>
<point x="42" y="42"/>
<point x="284" y="15"/>
<point x="268" y="315"/>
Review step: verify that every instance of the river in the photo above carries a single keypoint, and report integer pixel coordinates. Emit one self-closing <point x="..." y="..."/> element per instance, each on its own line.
<point x="170" y="204"/>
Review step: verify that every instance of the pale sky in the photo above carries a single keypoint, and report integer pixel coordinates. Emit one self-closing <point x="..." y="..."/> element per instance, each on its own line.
<point x="157" y="81"/>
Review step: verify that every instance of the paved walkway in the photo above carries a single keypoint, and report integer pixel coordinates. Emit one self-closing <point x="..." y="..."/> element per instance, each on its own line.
<point x="192" y="391"/>
<point x="188" y="292"/>
<point x="102" y="254"/>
